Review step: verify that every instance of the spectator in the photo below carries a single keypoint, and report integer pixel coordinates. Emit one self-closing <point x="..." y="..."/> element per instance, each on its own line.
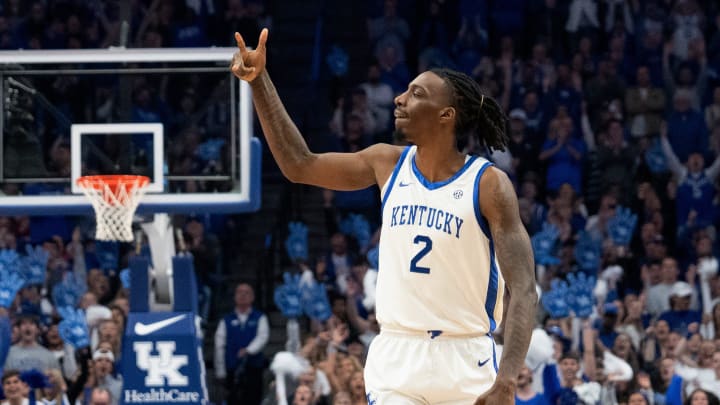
<point x="469" y="41"/>
<point x="566" y="91"/>
<point x="14" y="388"/>
<point x="304" y="395"/>
<point x="602" y="90"/>
<point x="380" y="97"/>
<point x="101" y="396"/>
<point x="354" y="105"/>
<point x="522" y="150"/>
<point x="686" y="129"/>
<point x="239" y="341"/>
<point x="535" y="116"/>
<point x="644" y="104"/>
<point x="700" y="396"/>
<point x="583" y="17"/>
<point x="337" y="263"/>
<point x="27" y="353"/>
<point x="63" y="352"/>
<point x="393" y="70"/>
<point x="680" y="317"/>
<point x="688" y="19"/>
<point x="617" y="160"/>
<point x="695" y="197"/>
<point x="564" y="156"/>
<point x="657" y="294"/>
<point x="390" y="29"/>
<point x="55" y="394"/>
<point x="526" y="395"/>
<point x="638" y="398"/>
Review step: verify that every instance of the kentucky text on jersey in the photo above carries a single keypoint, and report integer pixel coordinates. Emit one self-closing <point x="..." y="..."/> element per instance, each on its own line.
<point x="421" y="215"/>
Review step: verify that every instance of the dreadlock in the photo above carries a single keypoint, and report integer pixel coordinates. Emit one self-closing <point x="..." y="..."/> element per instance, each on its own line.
<point x="478" y="114"/>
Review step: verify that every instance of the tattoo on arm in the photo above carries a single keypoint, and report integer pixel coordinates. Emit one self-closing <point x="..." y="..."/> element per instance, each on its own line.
<point x="284" y="139"/>
<point x="515" y="257"/>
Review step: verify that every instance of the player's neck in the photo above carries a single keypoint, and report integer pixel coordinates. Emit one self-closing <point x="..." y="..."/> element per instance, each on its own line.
<point x="438" y="163"/>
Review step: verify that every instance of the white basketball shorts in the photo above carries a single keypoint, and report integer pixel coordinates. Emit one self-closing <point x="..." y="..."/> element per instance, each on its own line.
<point x="429" y="368"/>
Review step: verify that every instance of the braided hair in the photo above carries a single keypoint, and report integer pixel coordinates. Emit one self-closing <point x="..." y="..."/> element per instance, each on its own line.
<point x="477" y="114"/>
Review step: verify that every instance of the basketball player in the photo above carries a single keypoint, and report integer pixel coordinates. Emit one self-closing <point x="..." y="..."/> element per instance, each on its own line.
<point x="451" y="238"/>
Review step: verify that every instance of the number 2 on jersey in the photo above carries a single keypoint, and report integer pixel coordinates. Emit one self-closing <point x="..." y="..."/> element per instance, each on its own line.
<point x="421" y="239"/>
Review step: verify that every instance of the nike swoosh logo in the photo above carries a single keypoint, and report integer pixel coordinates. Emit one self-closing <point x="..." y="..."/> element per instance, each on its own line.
<point x="143" y="329"/>
<point x="404" y="184"/>
<point x="482" y="363"/>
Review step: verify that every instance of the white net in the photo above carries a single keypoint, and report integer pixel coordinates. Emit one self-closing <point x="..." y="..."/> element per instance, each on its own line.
<point x="114" y="199"/>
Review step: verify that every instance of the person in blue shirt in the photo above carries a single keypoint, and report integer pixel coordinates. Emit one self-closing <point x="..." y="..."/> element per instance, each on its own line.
<point x="525" y="394"/>
<point x="240" y="339"/>
<point x="564" y="156"/>
<point x="695" y="186"/>
<point x="686" y="129"/>
<point x="680" y="317"/>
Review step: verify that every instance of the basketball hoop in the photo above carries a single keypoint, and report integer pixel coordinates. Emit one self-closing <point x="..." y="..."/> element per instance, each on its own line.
<point x="114" y="199"/>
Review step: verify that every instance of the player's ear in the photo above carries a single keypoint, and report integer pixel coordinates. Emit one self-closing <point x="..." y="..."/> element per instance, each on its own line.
<point x="447" y="114"/>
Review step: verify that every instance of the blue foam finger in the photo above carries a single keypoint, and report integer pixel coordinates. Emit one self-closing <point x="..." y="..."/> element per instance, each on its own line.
<point x="288" y="296"/>
<point x="73" y="327"/>
<point x="10" y="283"/>
<point x="316" y="304"/>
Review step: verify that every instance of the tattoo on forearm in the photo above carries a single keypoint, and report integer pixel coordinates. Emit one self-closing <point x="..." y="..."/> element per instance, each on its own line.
<point x="515" y="257"/>
<point x="284" y="139"/>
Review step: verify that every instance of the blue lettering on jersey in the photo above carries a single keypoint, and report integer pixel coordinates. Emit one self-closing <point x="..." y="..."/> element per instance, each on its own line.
<point x="414" y="215"/>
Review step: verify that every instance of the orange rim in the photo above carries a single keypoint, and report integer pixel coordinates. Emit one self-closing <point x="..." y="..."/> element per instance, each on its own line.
<point x="112" y="180"/>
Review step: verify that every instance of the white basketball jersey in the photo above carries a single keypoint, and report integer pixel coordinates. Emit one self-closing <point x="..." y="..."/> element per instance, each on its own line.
<point x="437" y="266"/>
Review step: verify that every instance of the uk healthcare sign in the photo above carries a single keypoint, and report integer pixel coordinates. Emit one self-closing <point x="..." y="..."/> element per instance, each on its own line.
<point x="162" y="360"/>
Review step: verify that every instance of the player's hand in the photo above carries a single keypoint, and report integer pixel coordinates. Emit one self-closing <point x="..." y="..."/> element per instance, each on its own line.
<point x="247" y="65"/>
<point x="501" y="393"/>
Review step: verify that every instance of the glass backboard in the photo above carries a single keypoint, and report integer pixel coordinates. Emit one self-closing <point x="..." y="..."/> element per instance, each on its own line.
<point x="177" y="116"/>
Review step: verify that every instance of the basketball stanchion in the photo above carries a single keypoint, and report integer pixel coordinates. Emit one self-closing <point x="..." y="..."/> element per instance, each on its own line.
<point x="161" y="355"/>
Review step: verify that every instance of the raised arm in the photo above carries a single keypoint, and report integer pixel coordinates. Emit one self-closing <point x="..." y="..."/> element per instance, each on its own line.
<point x="673" y="162"/>
<point x="336" y="171"/>
<point x="499" y="205"/>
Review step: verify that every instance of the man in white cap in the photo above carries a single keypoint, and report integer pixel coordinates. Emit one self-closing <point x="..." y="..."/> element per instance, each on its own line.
<point x="680" y="317"/>
<point x="100" y="374"/>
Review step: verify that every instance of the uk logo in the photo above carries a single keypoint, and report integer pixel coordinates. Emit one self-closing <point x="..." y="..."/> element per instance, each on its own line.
<point x="161" y="369"/>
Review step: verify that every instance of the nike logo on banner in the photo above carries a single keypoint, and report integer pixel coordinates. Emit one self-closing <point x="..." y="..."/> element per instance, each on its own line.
<point x="404" y="184"/>
<point x="482" y="363"/>
<point x="143" y="329"/>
